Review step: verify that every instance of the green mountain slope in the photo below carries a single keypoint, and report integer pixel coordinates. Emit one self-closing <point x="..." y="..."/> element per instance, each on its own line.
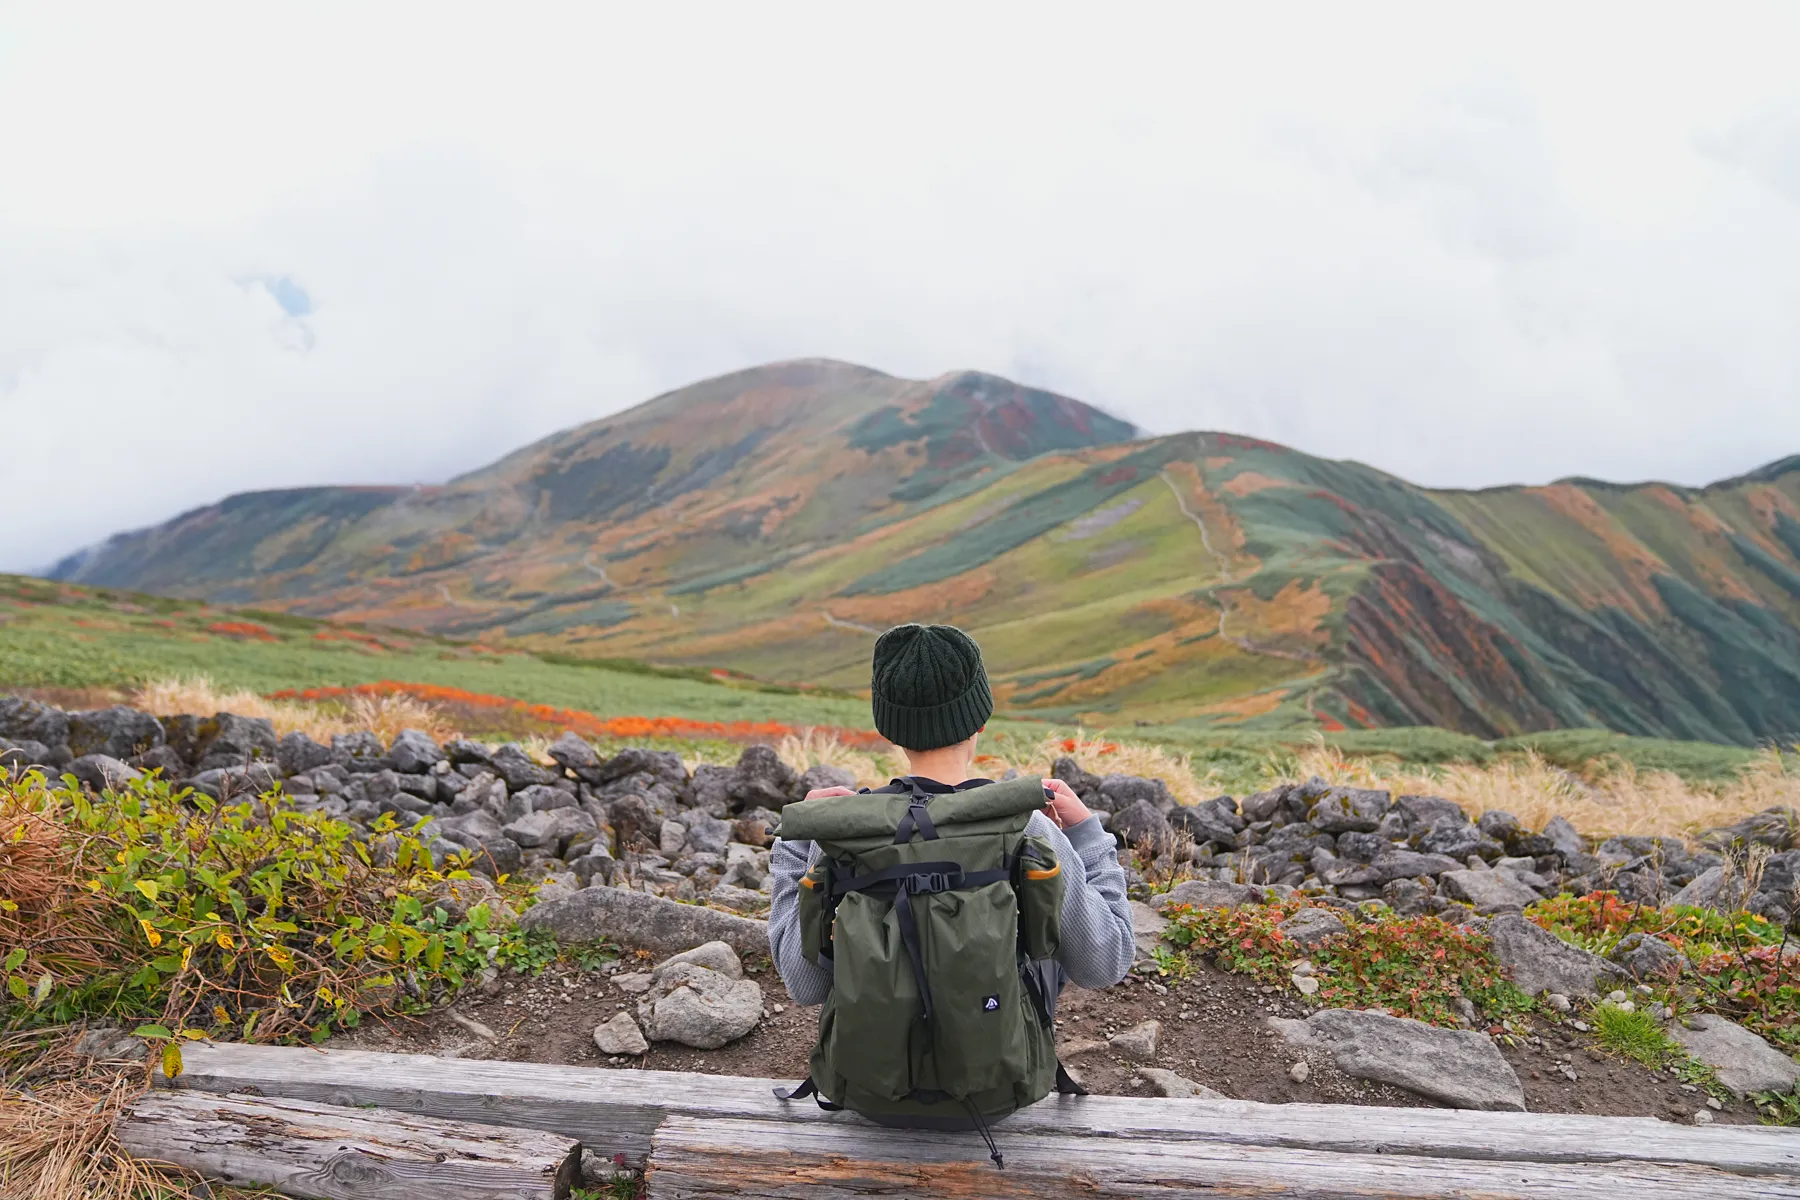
<point x="770" y="521"/>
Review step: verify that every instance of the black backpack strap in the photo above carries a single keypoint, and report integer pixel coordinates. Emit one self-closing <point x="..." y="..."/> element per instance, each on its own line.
<point x="1065" y="1085"/>
<point x="806" y="1088"/>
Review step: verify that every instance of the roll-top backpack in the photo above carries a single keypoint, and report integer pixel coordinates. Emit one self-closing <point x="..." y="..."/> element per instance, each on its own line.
<point x="934" y="914"/>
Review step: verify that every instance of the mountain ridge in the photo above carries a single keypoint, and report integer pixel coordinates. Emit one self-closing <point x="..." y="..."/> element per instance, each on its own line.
<point x="767" y="520"/>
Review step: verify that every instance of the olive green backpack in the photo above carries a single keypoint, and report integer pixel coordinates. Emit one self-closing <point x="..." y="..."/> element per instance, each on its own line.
<point x="933" y="913"/>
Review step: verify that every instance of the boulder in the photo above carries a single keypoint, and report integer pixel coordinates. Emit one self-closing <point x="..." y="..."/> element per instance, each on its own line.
<point x="1539" y="961"/>
<point x="710" y="789"/>
<point x="1343" y="810"/>
<point x="541" y="797"/>
<point x="1455" y="841"/>
<point x="824" y="775"/>
<point x="1647" y="957"/>
<point x="16" y="755"/>
<point x="578" y="758"/>
<point x="511" y="763"/>
<point x="715" y="956"/>
<point x="1207" y="893"/>
<point x="102" y="772"/>
<point x="1080" y="782"/>
<point x="620" y="1035"/>
<point x="1430" y="812"/>
<point x="597" y="864"/>
<point x="1310" y="927"/>
<point x="1147" y="926"/>
<point x="1743" y="1062"/>
<point x="463" y="752"/>
<point x="1718" y="888"/>
<point x="1262" y="805"/>
<point x="1565" y="839"/>
<point x="1123" y="791"/>
<point x="1138" y="1044"/>
<point x="1176" y="1087"/>
<point x="550" y="830"/>
<point x="738" y="899"/>
<point x="640" y="920"/>
<point x="25" y="720"/>
<point x="296" y="754"/>
<point x="227" y="740"/>
<point x="698" y="1006"/>
<point x="117" y="732"/>
<point x="1407" y="897"/>
<point x="763" y="779"/>
<point x="661" y="766"/>
<point x="1488" y="891"/>
<point x="706" y="834"/>
<point x="1141" y="824"/>
<point x="414" y="753"/>
<point x="1456" y="1067"/>
<point x="358" y="752"/>
<point x="633" y="823"/>
<point x="1777" y="828"/>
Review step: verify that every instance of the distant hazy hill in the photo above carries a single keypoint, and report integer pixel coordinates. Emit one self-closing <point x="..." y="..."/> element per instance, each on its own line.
<point x="770" y="521"/>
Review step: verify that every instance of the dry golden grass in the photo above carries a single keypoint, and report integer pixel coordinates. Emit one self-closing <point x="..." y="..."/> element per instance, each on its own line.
<point x="385" y="716"/>
<point x="811" y="748"/>
<point x="1617" y="799"/>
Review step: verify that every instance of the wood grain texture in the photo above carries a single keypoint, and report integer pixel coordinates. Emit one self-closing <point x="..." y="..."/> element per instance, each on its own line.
<point x="618" y="1111"/>
<point x="329" y="1153"/>
<point x="699" y="1159"/>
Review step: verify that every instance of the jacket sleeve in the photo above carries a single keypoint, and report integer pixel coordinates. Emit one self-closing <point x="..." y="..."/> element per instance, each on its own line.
<point x="1097" y="941"/>
<point x="807" y="982"/>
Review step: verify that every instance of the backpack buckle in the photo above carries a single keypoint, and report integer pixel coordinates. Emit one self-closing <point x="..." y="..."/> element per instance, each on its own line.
<point x="933" y="881"/>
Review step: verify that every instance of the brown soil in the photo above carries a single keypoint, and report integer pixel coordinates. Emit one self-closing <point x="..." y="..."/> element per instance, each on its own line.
<point x="1222" y="1041"/>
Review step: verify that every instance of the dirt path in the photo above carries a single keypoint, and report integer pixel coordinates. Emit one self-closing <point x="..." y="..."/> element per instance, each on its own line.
<point x="1213" y="1032"/>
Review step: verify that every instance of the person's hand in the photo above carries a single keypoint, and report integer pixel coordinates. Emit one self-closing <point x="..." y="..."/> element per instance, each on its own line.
<point x="1064" y="807"/>
<point x="821" y="793"/>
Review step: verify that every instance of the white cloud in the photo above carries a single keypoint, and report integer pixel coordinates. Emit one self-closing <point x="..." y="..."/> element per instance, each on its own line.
<point x="1560" y="240"/>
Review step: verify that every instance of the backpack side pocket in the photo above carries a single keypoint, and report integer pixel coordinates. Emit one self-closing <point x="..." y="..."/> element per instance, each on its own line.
<point x="1040" y="888"/>
<point x="815" y="912"/>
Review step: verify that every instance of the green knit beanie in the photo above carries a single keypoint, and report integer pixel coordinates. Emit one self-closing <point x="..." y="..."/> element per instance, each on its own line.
<point x="929" y="688"/>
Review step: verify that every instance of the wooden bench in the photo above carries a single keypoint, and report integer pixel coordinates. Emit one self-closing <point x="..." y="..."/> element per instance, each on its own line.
<point x="703" y="1136"/>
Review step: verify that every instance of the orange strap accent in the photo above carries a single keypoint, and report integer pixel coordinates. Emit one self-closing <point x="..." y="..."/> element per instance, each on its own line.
<point x="807" y="881"/>
<point x="1051" y="873"/>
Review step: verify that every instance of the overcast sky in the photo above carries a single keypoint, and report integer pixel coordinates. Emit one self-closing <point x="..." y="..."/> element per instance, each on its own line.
<point x="259" y="245"/>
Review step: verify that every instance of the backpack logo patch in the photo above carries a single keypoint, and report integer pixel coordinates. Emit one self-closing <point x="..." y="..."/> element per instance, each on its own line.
<point x="990" y="1004"/>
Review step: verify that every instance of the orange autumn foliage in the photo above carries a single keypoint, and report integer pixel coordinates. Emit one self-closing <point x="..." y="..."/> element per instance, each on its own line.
<point x="242" y="629"/>
<point x="587" y="724"/>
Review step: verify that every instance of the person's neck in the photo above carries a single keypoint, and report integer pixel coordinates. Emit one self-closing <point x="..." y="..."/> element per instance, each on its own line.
<point x="951" y="765"/>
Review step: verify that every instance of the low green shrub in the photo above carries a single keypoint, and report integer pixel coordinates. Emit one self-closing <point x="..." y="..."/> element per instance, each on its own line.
<point x="246" y="921"/>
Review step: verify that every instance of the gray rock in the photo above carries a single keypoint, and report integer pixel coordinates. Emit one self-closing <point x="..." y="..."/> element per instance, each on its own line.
<point x="1460" y="1068"/>
<point x="578" y="758"/>
<point x="745" y="871"/>
<point x="1310" y="927"/>
<point x="414" y="753"/>
<point x="551" y="830"/>
<point x="1346" y="810"/>
<point x="621" y="1035"/>
<point x="671" y="838"/>
<point x="715" y="956"/>
<point x="1488" y="891"/>
<point x="16" y="755"/>
<point x="737" y="899"/>
<point x="1539" y="961"/>
<point x="1124" y="791"/>
<point x="1743" y="1062"/>
<point x="511" y="763"/>
<point x="25" y="720"/>
<point x="710" y="789"/>
<point x="1070" y="772"/>
<point x="539" y="797"/>
<point x="102" y="772"/>
<point x="227" y="740"/>
<point x="117" y="732"/>
<point x="357" y="752"/>
<point x="644" y="921"/>
<point x="1138" y="1043"/>
<point x="1717" y="888"/>
<point x="1262" y="805"/>
<point x="699" y="1007"/>
<point x="1176" y="1087"/>
<point x="1568" y="842"/>
<point x="822" y="776"/>
<point x="1430" y="812"/>
<point x="1147" y="926"/>
<point x="1207" y="893"/>
<point x="659" y="766"/>
<point x="1407" y="897"/>
<point x="297" y="754"/>
<point x="706" y="834"/>
<point x="463" y="752"/>
<point x="111" y="1042"/>
<point x="1455" y="841"/>
<point x="763" y="779"/>
<point x="1777" y="828"/>
<point x="594" y="868"/>
<point x="1204" y="824"/>
<point x="1393" y="863"/>
<point x="1141" y="824"/>
<point x="1647" y="957"/>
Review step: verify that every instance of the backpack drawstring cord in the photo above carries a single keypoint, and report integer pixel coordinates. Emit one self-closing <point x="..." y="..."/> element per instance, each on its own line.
<point x="982" y="1125"/>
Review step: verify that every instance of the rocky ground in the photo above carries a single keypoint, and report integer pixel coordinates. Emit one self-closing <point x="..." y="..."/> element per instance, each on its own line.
<point x="616" y="842"/>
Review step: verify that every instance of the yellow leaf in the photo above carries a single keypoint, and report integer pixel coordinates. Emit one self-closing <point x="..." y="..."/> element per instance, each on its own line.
<point x="220" y="1015"/>
<point x="148" y="887"/>
<point x="9" y="906"/>
<point x="171" y="1060"/>
<point x="187" y="952"/>
<point x="150" y="934"/>
<point x="193" y="1035"/>
<point x="223" y="938"/>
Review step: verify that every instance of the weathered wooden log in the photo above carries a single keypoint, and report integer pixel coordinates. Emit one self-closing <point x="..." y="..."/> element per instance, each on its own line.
<point x="615" y="1112"/>
<point x="699" y="1159"/>
<point x="331" y="1153"/>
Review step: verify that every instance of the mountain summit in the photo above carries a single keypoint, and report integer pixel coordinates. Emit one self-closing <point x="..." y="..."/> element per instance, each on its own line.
<point x="772" y="520"/>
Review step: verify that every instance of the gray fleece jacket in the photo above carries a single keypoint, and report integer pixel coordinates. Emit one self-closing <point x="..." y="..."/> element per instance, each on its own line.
<point x="1097" y="945"/>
